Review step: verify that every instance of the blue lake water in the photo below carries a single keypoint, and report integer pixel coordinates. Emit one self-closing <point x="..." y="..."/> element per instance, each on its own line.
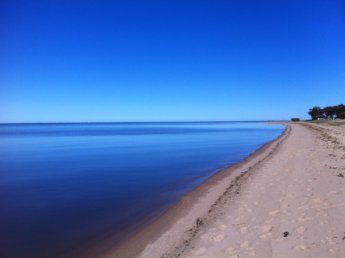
<point x="64" y="186"/>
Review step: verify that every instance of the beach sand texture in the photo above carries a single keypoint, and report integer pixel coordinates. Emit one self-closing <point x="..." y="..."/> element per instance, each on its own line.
<point x="287" y="200"/>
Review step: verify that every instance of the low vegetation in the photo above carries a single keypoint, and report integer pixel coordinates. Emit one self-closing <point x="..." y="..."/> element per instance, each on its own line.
<point x="329" y="122"/>
<point x="295" y="119"/>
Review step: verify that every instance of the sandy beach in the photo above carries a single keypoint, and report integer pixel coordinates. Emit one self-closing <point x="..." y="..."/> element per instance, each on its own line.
<point x="169" y="129"/>
<point x="285" y="200"/>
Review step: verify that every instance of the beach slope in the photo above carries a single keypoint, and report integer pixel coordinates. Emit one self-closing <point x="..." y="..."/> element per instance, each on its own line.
<point x="293" y="205"/>
<point x="286" y="200"/>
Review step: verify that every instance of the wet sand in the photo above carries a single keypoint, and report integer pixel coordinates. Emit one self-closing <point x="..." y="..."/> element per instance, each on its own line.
<point x="285" y="200"/>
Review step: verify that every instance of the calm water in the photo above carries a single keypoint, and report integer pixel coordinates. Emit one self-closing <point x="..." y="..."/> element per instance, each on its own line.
<point x="63" y="186"/>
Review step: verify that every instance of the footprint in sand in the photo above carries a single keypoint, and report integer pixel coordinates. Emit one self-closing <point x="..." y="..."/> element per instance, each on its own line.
<point x="285" y="206"/>
<point x="332" y="193"/>
<point x="243" y="230"/>
<point x="213" y="237"/>
<point x="213" y="229"/>
<point x="325" y="222"/>
<point x="218" y="238"/>
<point x="330" y="241"/>
<point x="331" y="231"/>
<point x="300" y="247"/>
<point x="301" y="230"/>
<point x="222" y="227"/>
<point x="265" y="229"/>
<point x="230" y="250"/>
<point x="204" y="237"/>
<point x="266" y="236"/>
<point x="246" y="245"/>
<point x="200" y="251"/>
<point x="304" y="219"/>
<point x="274" y="212"/>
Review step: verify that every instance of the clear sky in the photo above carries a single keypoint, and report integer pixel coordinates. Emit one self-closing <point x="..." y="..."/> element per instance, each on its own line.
<point x="95" y="60"/>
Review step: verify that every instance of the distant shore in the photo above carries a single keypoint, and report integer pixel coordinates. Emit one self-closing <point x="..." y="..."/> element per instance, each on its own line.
<point x="176" y="226"/>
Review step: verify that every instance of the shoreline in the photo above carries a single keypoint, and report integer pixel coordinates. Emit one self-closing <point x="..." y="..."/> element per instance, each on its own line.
<point x="176" y="225"/>
<point x="291" y="206"/>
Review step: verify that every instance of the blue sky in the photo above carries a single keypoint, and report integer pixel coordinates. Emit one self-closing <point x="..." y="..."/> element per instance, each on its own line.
<point x="65" y="60"/>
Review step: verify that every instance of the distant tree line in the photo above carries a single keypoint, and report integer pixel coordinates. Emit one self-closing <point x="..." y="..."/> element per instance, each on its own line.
<point x="330" y="112"/>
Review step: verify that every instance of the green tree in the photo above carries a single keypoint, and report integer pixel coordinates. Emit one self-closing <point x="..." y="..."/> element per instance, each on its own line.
<point x="341" y="115"/>
<point x="315" y="113"/>
<point x="340" y="111"/>
<point x="330" y="112"/>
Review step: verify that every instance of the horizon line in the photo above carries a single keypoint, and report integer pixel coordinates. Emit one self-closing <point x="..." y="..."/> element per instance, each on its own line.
<point x="128" y="122"/>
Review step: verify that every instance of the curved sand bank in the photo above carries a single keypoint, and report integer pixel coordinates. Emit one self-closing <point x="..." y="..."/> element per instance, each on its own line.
<point x="177" y="226"/>
<point x="293" y="205"/>
<point x="286" y="200"/>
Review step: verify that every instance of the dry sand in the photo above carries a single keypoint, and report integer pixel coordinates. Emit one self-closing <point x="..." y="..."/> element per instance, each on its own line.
<point x="286" y="200"/>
